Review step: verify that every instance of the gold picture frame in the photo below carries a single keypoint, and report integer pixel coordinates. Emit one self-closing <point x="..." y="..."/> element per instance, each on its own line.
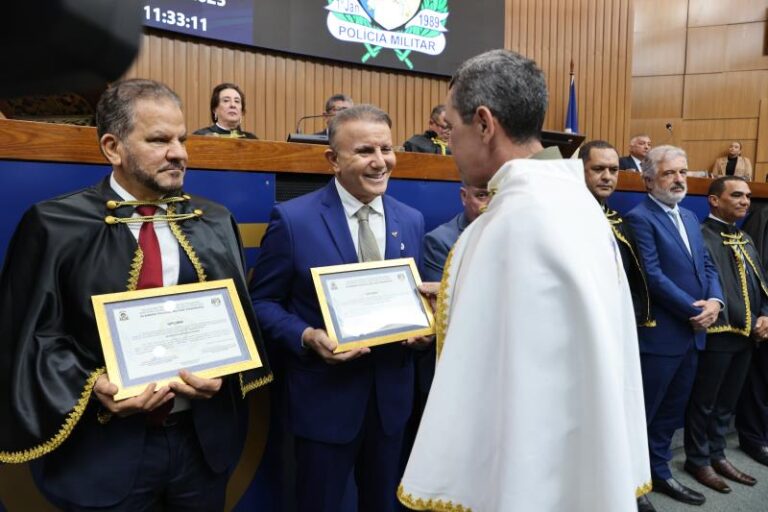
<point x="149" y="335"/>
<point x="388" y="287"/>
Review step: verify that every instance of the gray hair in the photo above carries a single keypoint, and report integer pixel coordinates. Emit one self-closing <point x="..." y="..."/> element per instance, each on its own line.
<point x="333" y="99"/>
<point x="635" y="137"/>
<point x="362" y="112"/>
<point x="511" y="86"/>
<point x="114" y="112"/>
<point x="658" y="155"/>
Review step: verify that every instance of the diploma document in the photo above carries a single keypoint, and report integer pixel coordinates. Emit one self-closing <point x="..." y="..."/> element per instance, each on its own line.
<point x="372" y="303"/>
<point x="149" y="335"/>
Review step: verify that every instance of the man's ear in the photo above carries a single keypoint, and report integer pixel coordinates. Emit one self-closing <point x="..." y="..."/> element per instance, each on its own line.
<point x="713" y="201"/>
<point x="109" y="146"/>
<point x="463" y="196"/>
<point x="333" y="158"/>
<point x="486" y="123"/>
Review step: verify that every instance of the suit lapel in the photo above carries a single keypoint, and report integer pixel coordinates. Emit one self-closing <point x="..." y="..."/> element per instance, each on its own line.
<point x="394" y="236"/>
<point x="666" y="221"/>
<point x="336" y="221"/>
<point x="691" y="223"/>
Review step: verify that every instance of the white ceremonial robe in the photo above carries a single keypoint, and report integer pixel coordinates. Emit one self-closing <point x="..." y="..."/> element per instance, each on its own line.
<point x="537" y="401"/>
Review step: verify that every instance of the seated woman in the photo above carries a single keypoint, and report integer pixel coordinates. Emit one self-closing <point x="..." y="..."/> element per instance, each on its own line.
<point x="227" y="109"/>
<point x="734" y="164"/>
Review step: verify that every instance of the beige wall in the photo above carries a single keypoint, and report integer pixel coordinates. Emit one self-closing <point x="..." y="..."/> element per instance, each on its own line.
<point x="280" y="88"/>
<point x="700" y="65"/>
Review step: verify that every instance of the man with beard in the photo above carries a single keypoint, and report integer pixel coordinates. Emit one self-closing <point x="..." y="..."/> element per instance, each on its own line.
<point x="170" y="447"/>
<point x="685" y="300"/>
<point x="347" y="411"/>
<point x="601" y="174"/>
<point x="724" y="362"/>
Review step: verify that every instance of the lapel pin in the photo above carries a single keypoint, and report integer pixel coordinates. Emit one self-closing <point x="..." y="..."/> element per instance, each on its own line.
<point x="402" y="246"/>
<point x="394" y="234"/>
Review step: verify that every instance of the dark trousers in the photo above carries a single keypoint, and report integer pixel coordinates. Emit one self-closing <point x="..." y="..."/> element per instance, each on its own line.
<point x="719" y="379"/>
<point x="667" y="382"/>
<point x="323" y="470"/>
<point x="752" y="409"/>
<point x="172" y="476"/>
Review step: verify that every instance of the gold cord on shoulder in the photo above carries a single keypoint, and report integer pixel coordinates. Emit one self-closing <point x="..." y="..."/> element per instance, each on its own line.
<point x="614" y="220"/>
<point x="135" y="271"/>
<point x="438" y="505"/>
<point x="69" y="423"/>
<point x="247" y="388"/>
<point x="113" y="205"/>
<point x="184" y="243"/>
<point x="737" y="243"/>
<point x="441" y="315"/>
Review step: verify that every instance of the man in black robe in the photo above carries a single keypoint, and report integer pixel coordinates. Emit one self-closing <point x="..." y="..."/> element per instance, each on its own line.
<point x="169" y="447"/>
<point x="752" y="409"/>
<point x="436" y="139"/>
<point x="724" y="362"/>
<point x="601" y="174"/>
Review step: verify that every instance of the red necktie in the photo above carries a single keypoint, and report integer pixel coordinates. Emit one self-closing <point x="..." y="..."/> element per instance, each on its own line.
<point x="151" y="275"/>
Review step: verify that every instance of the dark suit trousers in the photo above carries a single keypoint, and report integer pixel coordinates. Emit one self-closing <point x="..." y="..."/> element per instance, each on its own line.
<point x="323" y="470"/>
<point x="172" y="476"/>
<point x="667" y="382"/>
<point x="752" y="409"/>
<point x="719" y="378"/>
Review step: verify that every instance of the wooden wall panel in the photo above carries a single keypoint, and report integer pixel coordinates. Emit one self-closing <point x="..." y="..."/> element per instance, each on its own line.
<point x="656" y="129"/>
<point x="719" y="12"/>
<point x="707" y="49"/>
<point x="657" y="96"/>
<point x="596" y="34"/>
<point x="724" y="95"/>
<point x="761" y="172"/>
<point x="647" y="18"/>
<point x="727" y="48"/>
<point x="720" y="129"/>
<point x="659" y="52"/>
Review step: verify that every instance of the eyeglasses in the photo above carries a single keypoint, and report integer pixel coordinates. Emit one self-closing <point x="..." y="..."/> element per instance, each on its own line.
<point x="334" y="110"/>
<point x="442" y="126"/>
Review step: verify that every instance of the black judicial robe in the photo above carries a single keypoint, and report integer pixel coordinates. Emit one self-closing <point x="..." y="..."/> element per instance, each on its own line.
<point x="427" y="142"/>
<point x="61" y="254"/>
<point x="633" y="267"/>
<point x="217" y="131"/>
<point x="742" y="280"/>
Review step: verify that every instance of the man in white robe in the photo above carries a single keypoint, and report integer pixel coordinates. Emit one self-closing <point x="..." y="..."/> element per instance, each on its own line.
<point x="537" y="401"/>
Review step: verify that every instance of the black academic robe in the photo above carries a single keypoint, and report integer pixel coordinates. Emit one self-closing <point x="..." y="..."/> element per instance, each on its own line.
<point x="742" y="280"/>
<point x="633" y="267"/>
<point x="217" y="131"/>
<point x="427" y="142"/>
<point x="62" y="253"/>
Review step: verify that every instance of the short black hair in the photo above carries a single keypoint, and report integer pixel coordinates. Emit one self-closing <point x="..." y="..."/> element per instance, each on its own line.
<point x="215" y="97"/>
<point x="717" y="187"/>
<point x="586" y="149"/>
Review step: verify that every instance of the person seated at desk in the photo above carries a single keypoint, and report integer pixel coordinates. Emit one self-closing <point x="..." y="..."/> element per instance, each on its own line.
<point x="435" y="139"/>
<point x="227" y="109"/>
<point x="733" y="164"/>
<point x="333" y="106"/>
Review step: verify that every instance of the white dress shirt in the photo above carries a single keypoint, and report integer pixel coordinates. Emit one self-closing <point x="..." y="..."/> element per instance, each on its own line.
<point x="376" y="219"/>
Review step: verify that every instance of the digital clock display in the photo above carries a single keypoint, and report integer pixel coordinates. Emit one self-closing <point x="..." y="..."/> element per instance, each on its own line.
<point x="226" y="20"/>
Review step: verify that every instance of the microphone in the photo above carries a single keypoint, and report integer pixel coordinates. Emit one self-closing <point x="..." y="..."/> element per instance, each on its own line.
<point x="298" y="124"/>
<point x="668" y="126"/>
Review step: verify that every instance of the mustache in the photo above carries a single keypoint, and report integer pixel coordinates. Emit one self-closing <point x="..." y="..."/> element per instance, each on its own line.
<point x="173" y="166"/>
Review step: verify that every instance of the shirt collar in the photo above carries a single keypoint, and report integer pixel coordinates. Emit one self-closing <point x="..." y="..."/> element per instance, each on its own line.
<point x="124" y="194"/>
<point x="352" y="204"/>
<point x="666" y="208"/>
<point x="718" y="219"/>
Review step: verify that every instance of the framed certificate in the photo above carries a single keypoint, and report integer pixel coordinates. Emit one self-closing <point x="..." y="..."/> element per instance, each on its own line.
<point x="366" y="304"/>
<point x="149" y="335"/>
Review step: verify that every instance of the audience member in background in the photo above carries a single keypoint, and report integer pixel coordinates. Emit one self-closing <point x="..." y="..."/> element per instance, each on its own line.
<point x="685" y="299"/>
<point x="639" y="145"/>
<point x="601" y="173"/>
<point x="227" y="109"/>
<point x="437" y="137"/>
<point x="752" y="409"/>
<point x="333" y="106"/>
<point x="733" y="164"/>
<point x="724" y="362"/>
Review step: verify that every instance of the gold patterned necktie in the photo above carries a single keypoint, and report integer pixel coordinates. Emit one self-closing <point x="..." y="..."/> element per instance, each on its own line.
<point x="367" y="248"/>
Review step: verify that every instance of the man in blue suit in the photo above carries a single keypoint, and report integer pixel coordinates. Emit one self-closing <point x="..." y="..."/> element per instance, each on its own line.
<point x="686" y="299"/>
<point x="347" y="411"/>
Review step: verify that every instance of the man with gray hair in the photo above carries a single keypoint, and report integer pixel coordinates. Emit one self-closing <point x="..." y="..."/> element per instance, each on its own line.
<point x="639" y="145"/>
<point x="171" y="447"/>
<point x="501" y="430"/>
<point x="685" y="300"/>
<point x="333" y="105"/>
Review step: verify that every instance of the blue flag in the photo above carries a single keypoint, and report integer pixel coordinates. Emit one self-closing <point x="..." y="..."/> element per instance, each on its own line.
<point x="572" y="119"/>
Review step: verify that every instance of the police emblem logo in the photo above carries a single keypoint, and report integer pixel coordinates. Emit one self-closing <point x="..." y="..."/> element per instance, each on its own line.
<point x="391" y="14"/>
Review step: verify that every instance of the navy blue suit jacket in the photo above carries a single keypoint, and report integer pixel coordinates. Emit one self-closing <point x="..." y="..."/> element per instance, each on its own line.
<point x="438" y="243"/>
<point x="327" y="403"/>
<point x="627" y="163"/>
<point x="676" y="278"/>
